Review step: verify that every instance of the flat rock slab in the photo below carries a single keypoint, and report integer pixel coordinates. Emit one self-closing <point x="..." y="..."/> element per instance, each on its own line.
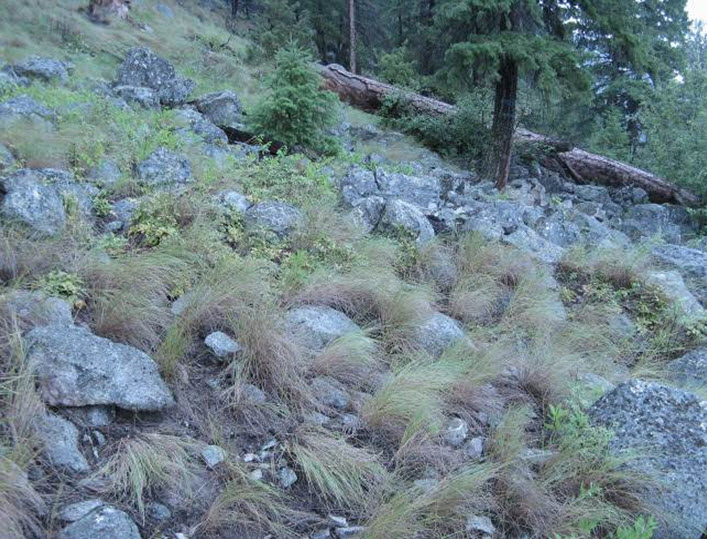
<point x="74" y="367"/>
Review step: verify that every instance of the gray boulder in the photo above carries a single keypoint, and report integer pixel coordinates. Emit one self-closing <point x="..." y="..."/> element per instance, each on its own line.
<point x="105" y="522"/>
<point x="645" y="220"/>
<point x="76" y="368"/>
<point x="366" y="212"/>
<point x="232" y="201"/>
<point x="526" y="239"/>
<point x="277" y="217"/>
<point x="672" y="286"/>
<point x="76" y="511"/>
<point x="437" y="333"/>
<point x="142" y="67"/>
<point x="420" y="191"/>
<point x="456" y="432"/>
<point x="25" y="110"/>
<point x="43" y="69"/>
<point x="164" y="167"/>
<point x="59" y="439"/>
<point x="402" y="215"/>
<point x="690" y="370"/>
<point x="201" y="128"/>
<point x="28" y="199"/>
<point x="316" y="326"/>
<point x="165" y="10"/>
<point x="690" y="263"/>
<point x="105" y="173"/>
<point x="213" y="455"/>
<point x="669" y="429"/>
<point x="358" y="183"/>
<point x="221" y="108"/>
<point x="138" y="95"/>
<point x="35" y="309"/>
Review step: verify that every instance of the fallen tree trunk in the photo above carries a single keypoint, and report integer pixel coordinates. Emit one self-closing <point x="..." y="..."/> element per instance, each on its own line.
<point x="582" y="166"/>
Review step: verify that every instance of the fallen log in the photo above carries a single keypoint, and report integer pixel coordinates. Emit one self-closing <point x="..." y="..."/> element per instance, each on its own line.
<point x="582" y="166"/>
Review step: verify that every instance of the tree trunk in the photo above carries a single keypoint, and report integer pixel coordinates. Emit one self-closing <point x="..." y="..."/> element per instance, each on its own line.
<point x="504" y="117"/>
<point x="234" y="9"/>
<point x="352" y="36"/>
<point x="582" y="166"/>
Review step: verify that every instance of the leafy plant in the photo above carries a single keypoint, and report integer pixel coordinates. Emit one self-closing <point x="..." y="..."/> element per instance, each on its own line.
<point x="64" y="285"/>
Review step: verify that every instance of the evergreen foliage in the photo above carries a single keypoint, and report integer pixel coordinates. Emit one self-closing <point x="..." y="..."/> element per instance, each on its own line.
<point x="296" y="111"/>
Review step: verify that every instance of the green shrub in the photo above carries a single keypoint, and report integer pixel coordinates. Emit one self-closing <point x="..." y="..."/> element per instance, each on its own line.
<point x="296" y="111"/>
<point x="464" y="134"/>
<point x="396" y="68"/>
<point x="64" y="285"/>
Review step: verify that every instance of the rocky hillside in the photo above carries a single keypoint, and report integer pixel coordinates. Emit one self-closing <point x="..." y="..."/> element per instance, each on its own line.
<point x="199" y="339"/>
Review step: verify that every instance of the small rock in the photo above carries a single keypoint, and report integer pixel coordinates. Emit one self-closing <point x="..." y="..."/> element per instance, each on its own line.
<point x="474" y="448"/>
<point x="286" y="477"/>
<point x="254" y="394"/>
<point x="437" y="333"/>
<point x="165" y="10"/>
<point x="330" y="392"/>
<point x="456" y="432"/>
<point x="98" y="416"/>
<point x="105" y="522"/>
<point x="315" y="418"/>
<point x="60" y="440"/>
<point x="157" y="511"/>
<point x="337" y="521"/>
<point x="671" y="284"/>
<point x="105" y="173"/>
<point x="256" y="475"/>
<point x="34" y="308"/>
<point x="399" y="214"/>
<point x="78" y="510"/>
<point x="481" y="524"/>
<point x="213" y="455"/>
<point x="99" y="438"/>
<point x="6" y="157"/>
<point x="350" y="531"/>
<point x="221" y="344"/>
<point x="232" y="201"/>
<point x="315" y="326"/>
<point x="321" y="534"/>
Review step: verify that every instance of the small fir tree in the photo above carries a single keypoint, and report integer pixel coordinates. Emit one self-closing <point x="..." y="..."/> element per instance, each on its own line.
<point x="296" y="111"/>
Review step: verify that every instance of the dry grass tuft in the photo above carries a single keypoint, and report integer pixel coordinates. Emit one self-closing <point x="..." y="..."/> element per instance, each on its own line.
<point x="142" y="465"/>
<point x="338" y="472"/>
<point x="352" y="359"/>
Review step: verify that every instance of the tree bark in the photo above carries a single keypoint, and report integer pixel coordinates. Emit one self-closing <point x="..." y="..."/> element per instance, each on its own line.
<point x="584" y="167"/>
<point x="352" y="36"/>
<point x="234" y="9"/>
<point x="504" y="117"/>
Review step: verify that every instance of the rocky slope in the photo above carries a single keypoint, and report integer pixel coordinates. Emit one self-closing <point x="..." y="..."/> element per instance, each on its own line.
<point x="204" y="341"/>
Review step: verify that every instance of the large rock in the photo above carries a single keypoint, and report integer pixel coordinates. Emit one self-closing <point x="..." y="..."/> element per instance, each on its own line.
<point x="76" y="368"/>
<point x="221" y="108"/>
<point x="164" y="167"/>
<point x="277" y="217"/>
<point x="26" y="110"/>
<point x="526" y="239"/>
<point x="672" y="286"/>
<point x="105" y="522"/>
<point x="29" y="200"/>
<point x="437" y="333"/>
<point x="36" y="309"/>
<point x="690" y="370"/>
<point x="201" y="128"/>
<point x="366" y="212"/>
<point x="358" y="183"/>
<point x="138" y="95"/>
<point x="420" y="191"/>
<point x="44" y="69"/>
<point x="142" y="67"/>
<point x="690" y="263"/>
<point x="60" y="439"/>
<point x="316" y="326"/>
<point x="645" y="220"/>
<point x="7" y="159"/>
<point x="402" y="215"/>
<point x="668" y="429"/>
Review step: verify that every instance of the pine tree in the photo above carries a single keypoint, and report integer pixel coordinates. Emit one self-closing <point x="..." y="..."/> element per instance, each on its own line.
<point x="503" y="40"/>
